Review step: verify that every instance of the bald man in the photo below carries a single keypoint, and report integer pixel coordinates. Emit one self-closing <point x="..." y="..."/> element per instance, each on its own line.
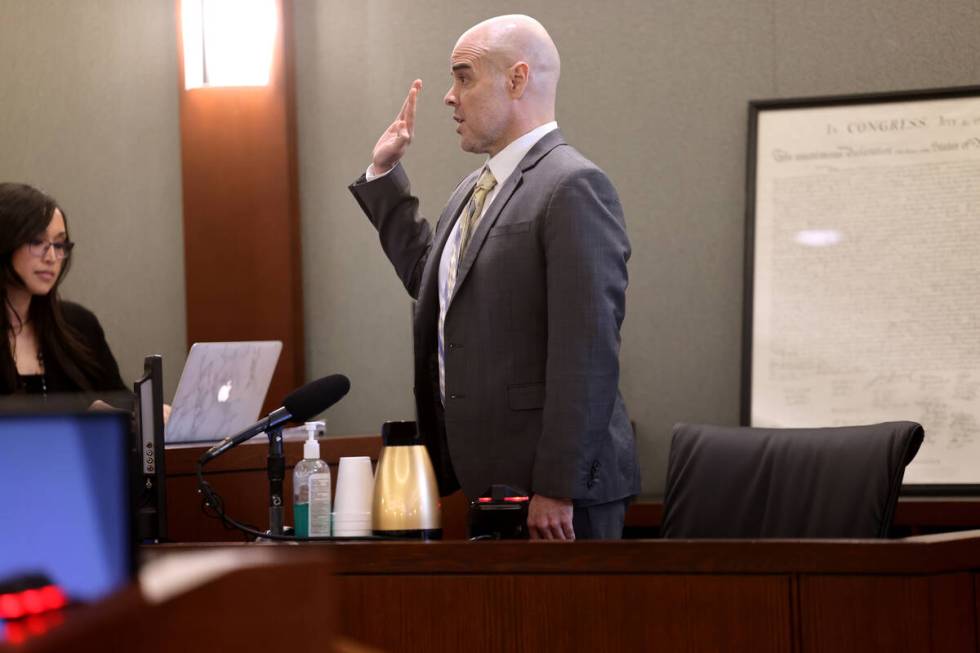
<point x="520" y="292"/>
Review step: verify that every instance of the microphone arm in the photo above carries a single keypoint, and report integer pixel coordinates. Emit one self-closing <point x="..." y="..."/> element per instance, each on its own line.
<point x="267" y="423"/>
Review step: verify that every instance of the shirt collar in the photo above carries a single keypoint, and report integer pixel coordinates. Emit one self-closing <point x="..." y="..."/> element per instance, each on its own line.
<point x="503" y="163"/>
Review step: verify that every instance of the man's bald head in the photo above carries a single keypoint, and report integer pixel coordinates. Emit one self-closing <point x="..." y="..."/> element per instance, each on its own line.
<point x="507" y="40"/>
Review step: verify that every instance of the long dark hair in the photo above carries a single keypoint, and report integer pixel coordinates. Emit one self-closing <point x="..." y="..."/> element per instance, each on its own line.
<point x="25" y="213"/>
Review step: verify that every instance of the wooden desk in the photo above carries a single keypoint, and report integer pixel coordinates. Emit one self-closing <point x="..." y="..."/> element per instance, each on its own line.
<point x="239" y="477"/>
<point x="807" y="596"/>
<point x="917" y="594"/>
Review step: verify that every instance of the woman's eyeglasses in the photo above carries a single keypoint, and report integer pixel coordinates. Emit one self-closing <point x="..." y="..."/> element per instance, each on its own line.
<point x="39" y="248"/>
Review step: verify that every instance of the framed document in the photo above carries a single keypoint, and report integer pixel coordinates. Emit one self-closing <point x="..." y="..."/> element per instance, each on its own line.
<point x="862" y="275"/>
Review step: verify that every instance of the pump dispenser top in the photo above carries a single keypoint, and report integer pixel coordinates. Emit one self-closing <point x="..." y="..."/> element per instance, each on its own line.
<point x="311" y="448"/>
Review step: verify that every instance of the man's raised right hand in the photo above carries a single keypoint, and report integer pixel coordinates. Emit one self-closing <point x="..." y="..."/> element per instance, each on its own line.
<point x="395" y="140"/>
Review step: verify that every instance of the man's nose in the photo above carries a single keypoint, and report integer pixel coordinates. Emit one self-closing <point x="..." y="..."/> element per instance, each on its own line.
<point x="449" y="99"/>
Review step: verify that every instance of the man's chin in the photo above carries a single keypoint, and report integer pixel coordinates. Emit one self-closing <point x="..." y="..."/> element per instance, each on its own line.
<point x="471" y="147"/>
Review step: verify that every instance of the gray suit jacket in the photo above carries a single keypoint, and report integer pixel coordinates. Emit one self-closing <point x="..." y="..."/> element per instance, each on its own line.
<point x="532" y="331"/>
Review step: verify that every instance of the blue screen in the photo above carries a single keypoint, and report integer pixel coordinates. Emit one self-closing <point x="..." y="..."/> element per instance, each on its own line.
<point x="65" y="503"/>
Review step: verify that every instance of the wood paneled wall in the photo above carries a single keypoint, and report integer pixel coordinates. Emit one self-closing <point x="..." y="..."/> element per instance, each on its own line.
<point x="241" y="212"/>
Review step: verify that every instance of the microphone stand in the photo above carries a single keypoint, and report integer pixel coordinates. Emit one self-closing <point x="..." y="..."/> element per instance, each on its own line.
<point x="276" y="469"/>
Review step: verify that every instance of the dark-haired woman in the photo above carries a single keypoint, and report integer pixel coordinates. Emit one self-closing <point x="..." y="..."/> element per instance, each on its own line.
<point x="54" y="346"/>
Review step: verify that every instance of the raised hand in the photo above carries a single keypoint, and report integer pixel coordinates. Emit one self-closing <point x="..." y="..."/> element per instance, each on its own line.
<point x="395" y="140"/>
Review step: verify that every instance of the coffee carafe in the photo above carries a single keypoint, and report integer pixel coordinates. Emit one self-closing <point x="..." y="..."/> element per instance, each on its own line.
<point x="406" y="496"/>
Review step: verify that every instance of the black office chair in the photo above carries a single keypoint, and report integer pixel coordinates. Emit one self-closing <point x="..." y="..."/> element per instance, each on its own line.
<point x="740" y="482"/>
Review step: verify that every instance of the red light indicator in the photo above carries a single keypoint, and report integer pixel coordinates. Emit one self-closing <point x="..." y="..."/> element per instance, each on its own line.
<point x="53" y="597"/>
<point x="33" y="601"/>
<point x="515" y="499"/>
<point x="10" y="607"/>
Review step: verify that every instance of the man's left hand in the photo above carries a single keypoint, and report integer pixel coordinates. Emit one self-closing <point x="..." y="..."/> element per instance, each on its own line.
<point x="550" y="519"/>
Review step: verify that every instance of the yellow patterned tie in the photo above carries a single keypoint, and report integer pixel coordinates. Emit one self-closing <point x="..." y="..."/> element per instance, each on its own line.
<point x="471" y="216"/>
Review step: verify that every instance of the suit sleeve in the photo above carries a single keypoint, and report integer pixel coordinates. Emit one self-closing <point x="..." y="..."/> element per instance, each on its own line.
<point x="586" y="249"/>
<point x="405" y="235"/>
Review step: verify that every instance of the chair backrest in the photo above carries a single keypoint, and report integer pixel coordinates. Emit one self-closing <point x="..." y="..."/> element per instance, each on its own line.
<point x="741" y="482"/>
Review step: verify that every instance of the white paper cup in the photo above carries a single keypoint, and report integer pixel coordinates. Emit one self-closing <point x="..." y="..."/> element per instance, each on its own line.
<point x="355" y="487"/>
<point x="352" y="524"/>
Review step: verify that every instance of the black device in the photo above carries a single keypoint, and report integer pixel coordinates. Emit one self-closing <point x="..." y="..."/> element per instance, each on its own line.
<point x="299" y="405"/>
<point x="499" y="514"/>
<point x="150" y="487"/>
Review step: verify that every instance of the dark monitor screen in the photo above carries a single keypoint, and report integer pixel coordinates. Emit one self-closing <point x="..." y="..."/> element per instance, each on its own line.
<point x="65" y="511"/>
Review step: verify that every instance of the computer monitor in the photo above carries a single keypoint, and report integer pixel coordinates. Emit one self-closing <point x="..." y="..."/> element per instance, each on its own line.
<point x="66" y="512"/>
<point x="150" y="483"/>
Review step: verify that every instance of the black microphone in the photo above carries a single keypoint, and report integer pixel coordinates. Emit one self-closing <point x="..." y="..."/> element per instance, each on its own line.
<point x="300" y="405"/>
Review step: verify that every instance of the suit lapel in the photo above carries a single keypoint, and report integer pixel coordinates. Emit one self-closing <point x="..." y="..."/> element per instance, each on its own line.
<point x="429" y="290"/>
<point x="548" y="142"/>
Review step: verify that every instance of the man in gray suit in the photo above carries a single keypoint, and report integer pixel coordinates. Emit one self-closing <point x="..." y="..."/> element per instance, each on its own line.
<point x="520" y="293"/>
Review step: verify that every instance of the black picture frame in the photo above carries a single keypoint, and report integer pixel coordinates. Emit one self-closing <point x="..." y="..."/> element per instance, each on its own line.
<point x="810" y="110"/>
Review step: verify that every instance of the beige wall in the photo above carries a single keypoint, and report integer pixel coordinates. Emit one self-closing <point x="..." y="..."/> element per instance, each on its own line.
<point x="653" y="91"/>
<point x="88" y="112"/>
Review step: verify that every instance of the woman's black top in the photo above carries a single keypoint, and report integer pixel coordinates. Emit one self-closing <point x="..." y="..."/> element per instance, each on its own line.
<point x="87" y="327"/>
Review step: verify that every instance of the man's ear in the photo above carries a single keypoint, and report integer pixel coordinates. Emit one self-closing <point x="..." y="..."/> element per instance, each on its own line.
<point x="517" y="79"/>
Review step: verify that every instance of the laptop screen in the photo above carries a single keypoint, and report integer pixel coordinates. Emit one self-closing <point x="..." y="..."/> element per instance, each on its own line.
<point x="221" y="389"/>
<point x="65" y="513"/>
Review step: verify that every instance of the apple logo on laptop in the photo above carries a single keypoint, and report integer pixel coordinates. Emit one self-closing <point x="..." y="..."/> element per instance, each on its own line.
<point x="224" y="392"/>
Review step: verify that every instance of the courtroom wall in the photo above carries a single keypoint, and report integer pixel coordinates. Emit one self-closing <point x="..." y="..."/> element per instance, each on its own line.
<point x="88" y="112"/>
<point x="656" y="94"/>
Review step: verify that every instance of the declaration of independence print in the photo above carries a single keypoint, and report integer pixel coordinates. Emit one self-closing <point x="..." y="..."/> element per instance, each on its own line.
<point x="865" y="259"/>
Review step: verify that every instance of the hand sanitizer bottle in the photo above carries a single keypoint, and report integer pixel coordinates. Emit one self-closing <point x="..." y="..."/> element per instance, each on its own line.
<point x="311" y="488"/>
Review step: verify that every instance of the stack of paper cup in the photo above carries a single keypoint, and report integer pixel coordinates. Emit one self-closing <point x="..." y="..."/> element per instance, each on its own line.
<point x="352" y="503"/>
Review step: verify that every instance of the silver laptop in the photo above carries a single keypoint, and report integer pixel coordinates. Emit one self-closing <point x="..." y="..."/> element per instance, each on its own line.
<point x="221" y="389"/>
